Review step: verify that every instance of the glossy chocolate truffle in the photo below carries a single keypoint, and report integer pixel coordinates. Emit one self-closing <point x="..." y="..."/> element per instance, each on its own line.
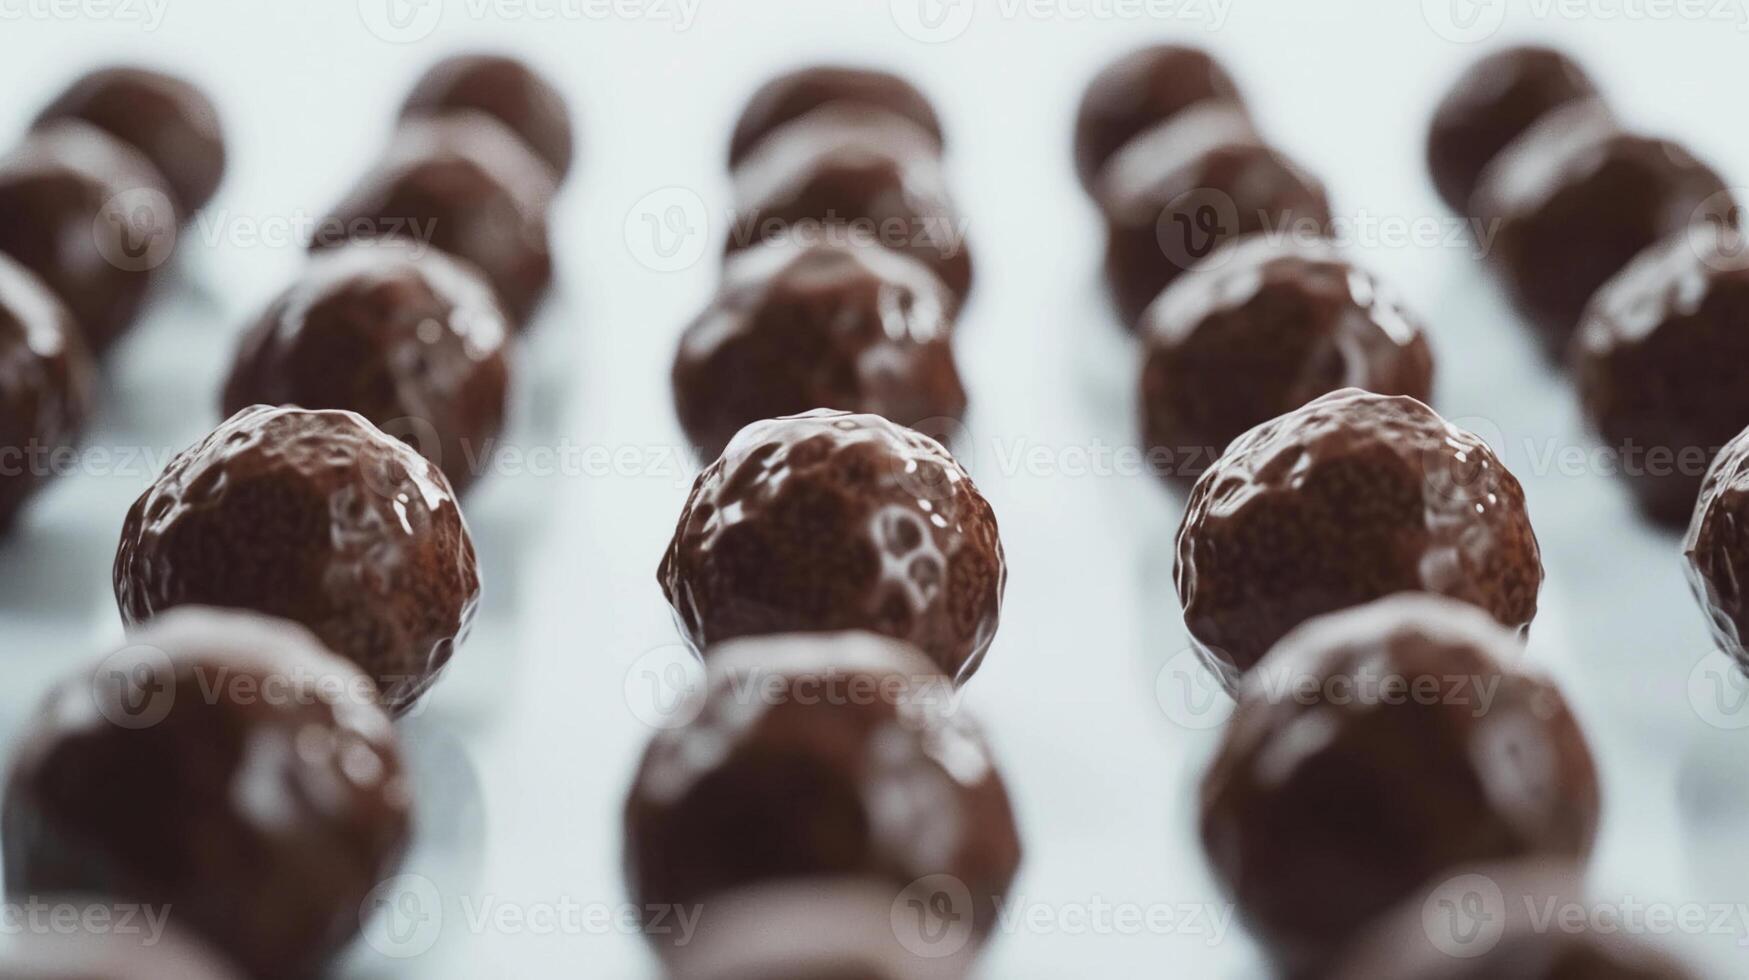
<point x="1375" y="749"/>
<point x="409" y="338"/>
<point x="1175" y="194"/>
<point x="792" y="95"/>
<point x="1260" y="329"/>
<point x="467" y="185"/>
<point x="795" y="328"/>
<point x="831" y="521"/>
<point x="1354" y="497"/>
<point x="91" y="217"/>
<point x="850" y="174"/>
<point x="224" y="765"/>
<point x="1717" y="548"/>
<point x="1139" y="91"/>
<point x="816" y="757"/>
<point x="171" y="122"/>
<point x="46" y="379"/>
<point x="316" y="517"/>
<point x="505" y="89"/>
<point x="1491" y="104"/>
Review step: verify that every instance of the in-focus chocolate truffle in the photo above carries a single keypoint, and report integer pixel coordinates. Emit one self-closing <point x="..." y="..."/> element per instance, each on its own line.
<point x="849" y="174"/>
<point x="1354" y="497"/>
<point x="46" y="379"/>
<point x="1260" y="329"/>
<point x="222" y="765"/>
<point x="91" y="217"/>
<point x="465" y="184"/>
<point x="1375" y="749"/>
<point x="315" y="517"/>
<point x="792" y="95"/>
<point x="505" y="89"/>
<point x="1491" y="104"/>
<point x="170" y="121"/>
<point x="797" y="327"/>
<point x="407" y="337"/>
<point x="1717" y="548"/>
<point x="1139" y="91"/>
<point x="832" y="521"/>
<point x="1184" y="188"/>
<point x="817" y="757"/>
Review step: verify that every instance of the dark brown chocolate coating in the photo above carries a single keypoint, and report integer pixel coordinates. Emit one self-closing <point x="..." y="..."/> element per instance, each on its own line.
<point x="1139" y="91"/>
<point x="224" y="765"/>
<point x="316" y="517"/>
<point x="794" y="328"/>
<point x="409" y="338"/>
<point x="1717" y="548"/>
<point x="794" y="94"/>
<point x="807" y="761"/>
<point x="1352" y="498"/>
<point x="466" y="184"/>
<point x="505" y="89"/>
<point x="1491" y="104"/>
<point x="830" y="521"/>
<point x="1405" y="747"/>
<point x="1260" y="329"/>
<point x="46" y="379"/>
<point x="170" y="121"/>
<point x="1184" y="188"/>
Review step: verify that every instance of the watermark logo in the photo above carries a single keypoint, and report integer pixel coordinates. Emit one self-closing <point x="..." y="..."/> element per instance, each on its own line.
<point x="668" y="230"/>
<point x="1190" y="694"/>
<point x="1718" y="690"/>
<point x="933" y="917"/>
<point x="1464" y="21"/>
<point x="1194" y="225"/>
<point x="401" y="21"/>
<point x="402" y="916"/>
<point x="1465" y="917"/>
<point x="134" y="687"/>
<point x="665" y="687"/>
<point x="933" y="21"/>
<point x="135" y="230"/>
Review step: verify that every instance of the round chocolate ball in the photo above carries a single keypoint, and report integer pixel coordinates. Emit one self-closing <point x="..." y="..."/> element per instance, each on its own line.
<point x="1351" y="498"/>
<point x="831" y="521"/>
<point x="817" y="757"/>
<point x="409" y="338"/>
<point x="1139" y="91"/>
<point x="170" y="121"/>
<point x="1491" y="104"/>
<point x="794" y="94"/>
<point x="798" y="327"/>
<point x="1259" y="329"/>
<point x="1717" y="548"/>
<point x="505" y="89"/>
<point x="222" y="765"/>
<point x="1175" y="194"/>
<point x="46" y="378"/>
<point x="317" y="517"/>
<point x="1375" y="749"/>
<point x="465" y="184"/>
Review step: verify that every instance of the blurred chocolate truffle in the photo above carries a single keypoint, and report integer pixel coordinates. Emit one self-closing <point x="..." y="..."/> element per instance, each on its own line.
<point x="1139" y="91"/>
<point x="467" y="185"/>
<point x="832" y="521"/>
<point x="850" y="760"/>
<point x="799" y="327"/>
<point x="505" y="89"/>
<point x="794" y="94"/>
<point x="1404" y="746"/>
<point x="1351" y="498"/>
<point x="409" y="338"/>
<point x="170" y="121"/>
<point x="1259" y="329"/>
<point x="1717" y="548"/>
<point x="317" y="517"/>
<point x="224" y="766"/>
<point x="46" y="379"/>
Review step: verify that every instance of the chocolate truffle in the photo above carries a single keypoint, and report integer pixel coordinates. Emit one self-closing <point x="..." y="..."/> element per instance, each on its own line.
<point x="1354" y="497"/>
<point x="799" y="327"/>
<point x="505" y="89"/>
<point x="1139" y="91"/>
<point x="45" y="385"/>
<point x="465" y="184"/>
<point x="1260" y="329"/>
<point x="832" y="521"/>
<point x="315" y="517"/>
<point x="171" y="122"/>
<point x="91" y="217"/>
<point x="1717" y="547"/>
<point x="1375" y="749"/>
<point x="816" y="757"/>
<point x="409" y="338"/>
<point x="792" y="95"/>
<point x="1491" y="104"/>
<point x="222" y="765"/>
<point x="1184" y="188"/>
<point x="850" y="174"/>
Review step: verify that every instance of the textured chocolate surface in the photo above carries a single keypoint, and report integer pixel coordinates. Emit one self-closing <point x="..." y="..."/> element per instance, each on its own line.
<point x="1139" y="91"/>
<point x="794" y="94"/>
<point x="505" y="89"/>
<point x="1717" y="548"/>
<point x="46" y="380"/>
